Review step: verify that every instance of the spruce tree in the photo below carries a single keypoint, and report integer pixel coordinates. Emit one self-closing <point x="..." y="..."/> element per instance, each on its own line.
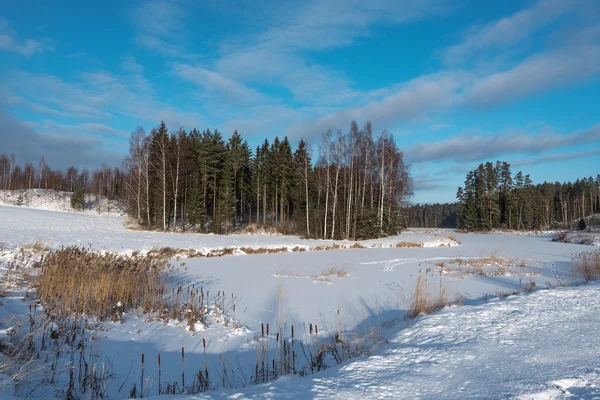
<point x="78" y="199"/>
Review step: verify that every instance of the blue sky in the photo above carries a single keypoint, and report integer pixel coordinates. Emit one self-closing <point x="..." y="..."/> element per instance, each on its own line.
<point x="457" y="82"/>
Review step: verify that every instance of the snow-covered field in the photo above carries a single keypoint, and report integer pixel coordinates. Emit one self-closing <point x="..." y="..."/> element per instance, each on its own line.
<point x="533" y="344"/>
<point x="20" y="225"/>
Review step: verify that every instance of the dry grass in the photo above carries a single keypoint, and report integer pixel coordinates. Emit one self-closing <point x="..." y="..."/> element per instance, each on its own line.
<point x="36" y="246"/>
<point x="491" y="265"/>
<point x="451" y="237"/>
<point x="530" y="286"/>
<point x="264" y="250"/>
<point x="75" y="281"/>
<point x="424" y="301"/>
<point x="586" y="265"/>
<point x="408" y="244"/>
<point x="329" y="273"/>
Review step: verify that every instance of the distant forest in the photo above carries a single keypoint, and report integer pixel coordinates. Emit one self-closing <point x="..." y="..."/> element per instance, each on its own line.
<point x="356" y="188"/>
<point x="432" y="215"/>
<point x="493" y="197"/>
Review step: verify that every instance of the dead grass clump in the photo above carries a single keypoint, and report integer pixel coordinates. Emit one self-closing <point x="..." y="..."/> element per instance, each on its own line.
<point x="424" y="301"/>
<point x="408" y="244"/>
<point x="263" y="250"/>
<point x="560" y="237"/>
<point x="530" y="286"/>
<point x="330" y="273"/>
<point x="586" y="265"/>
<point x="164" y="253"/>
<point x="36" y="246"/>
<point x="286" y="271"/>
<point x="451" y="237"/>
<point x="76" y="281"/>
<point x="357" y="245"/>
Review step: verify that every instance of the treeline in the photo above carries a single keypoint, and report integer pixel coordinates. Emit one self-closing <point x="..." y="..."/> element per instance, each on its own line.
<point x="198" y="180"/>
<point x="495" y="198"/>
<point x="432" y="215"/>
<point x="105" y="181"/>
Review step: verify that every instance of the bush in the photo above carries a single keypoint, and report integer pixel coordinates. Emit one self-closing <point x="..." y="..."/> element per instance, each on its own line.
<point x="587" y="265"/>
<point x="78" y="199"/>
<point x="582" y="225"/>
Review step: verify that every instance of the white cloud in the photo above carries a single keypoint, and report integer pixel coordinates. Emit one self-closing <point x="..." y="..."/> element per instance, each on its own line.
<point x="557" y="157"/>
<point x="534" y="75"/>
<point x="28" y="48"/>
<point x="470" y="147"/>
<point x="509" y="30"/>
<point x="216" y="83"/>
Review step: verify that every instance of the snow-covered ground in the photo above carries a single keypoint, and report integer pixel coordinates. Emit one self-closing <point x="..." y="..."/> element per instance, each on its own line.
<point x="20" y="225"/>
<point x="52" y="200"/>
<point x="489" y="348"/>
<point x="540" y="345"/>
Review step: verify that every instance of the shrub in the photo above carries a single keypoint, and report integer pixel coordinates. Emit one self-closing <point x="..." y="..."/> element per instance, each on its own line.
<point x="587" y="265"/>
<point x="560" y="237"/>
<point x="78" y="199"/>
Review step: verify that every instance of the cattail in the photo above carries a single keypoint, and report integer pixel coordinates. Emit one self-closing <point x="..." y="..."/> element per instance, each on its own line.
<point x="182" y="368"/>
<point x="159" y="377"/>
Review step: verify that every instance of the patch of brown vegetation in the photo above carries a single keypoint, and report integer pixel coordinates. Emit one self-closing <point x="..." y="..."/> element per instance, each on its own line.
<point x="485" y="266"/>
<point x="424" y="301"/>
<point x="451" y="237"/>
<point x="78" y="281"/>
<point x="36" y="246"/>
<point x="408" y="244"/>
<point x="586" y="265"/>
<point x="330" y="273"/>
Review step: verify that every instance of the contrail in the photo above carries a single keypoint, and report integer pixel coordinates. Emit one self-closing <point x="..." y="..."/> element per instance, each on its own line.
<point x="158" y="76"/>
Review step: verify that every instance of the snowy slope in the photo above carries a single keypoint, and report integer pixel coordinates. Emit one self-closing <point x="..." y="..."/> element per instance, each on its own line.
<point x="48" y="199"/>
<point x="542" y="345"/>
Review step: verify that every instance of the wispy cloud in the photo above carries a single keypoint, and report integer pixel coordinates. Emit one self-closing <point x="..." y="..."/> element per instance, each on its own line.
<point x="215" y="83"/>
<point x="26" y="47"/>
<point x="96" y="97"/>
<point x="470" y="147"/>
<point x="534" y="75"/>
<point x="509" y="30"/>
<point x="438" y="127"/>
<point x="556" y="157"/>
